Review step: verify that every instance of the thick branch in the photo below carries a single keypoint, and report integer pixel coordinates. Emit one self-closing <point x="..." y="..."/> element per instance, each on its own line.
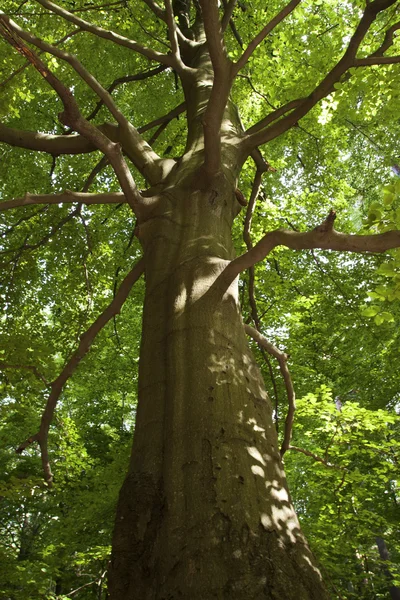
<point x="66" y="197"/>
<point x="263" y="34"/>
<point x="54" y="144"/>
<point x="326" y="86"/>
<point x="86" y="76"/>
<point x="282" y="359"/>
<point x="222" y="81"/>
<point x="84" y="345"/>
<point x="142" y="156"/>
<point x="108" y="35"/>
<point x="323" y="237"/>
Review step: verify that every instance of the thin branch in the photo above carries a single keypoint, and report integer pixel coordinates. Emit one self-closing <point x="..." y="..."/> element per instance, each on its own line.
<point x="324" y="237"/>
<point x="172" y="114"/>
<point x="148" y="33"/>
<point x="102" y="164"/>
<point x="54" y="229"/>
<point x="249" y="81"/>
<point x="226" y="19"/>
<point x="158" y="132"/>
<point x="173" y="36"/>
<point x="85" y="585"/>
<point x="85" y="343"/>
<point x="98" y="6"/>
<point x="66" y="197"/>
<point x="21" y="220"/>
<point x="358" y="128"/>
<point x="251" y="287"/>
<point x="108" y="35"/>
<point x="316" y="457"/>
<point x="263" y="34"/>
<point x="276" y="114"/>
<point x="34" y="370"/>
<point x="282" y="359"/>
<point x="250" y="208"/>
<point x="71" y="115"/>
<point x="127" y="79"/>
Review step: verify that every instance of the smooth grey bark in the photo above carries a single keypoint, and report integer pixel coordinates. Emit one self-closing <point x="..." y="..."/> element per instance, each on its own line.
<point x="204" y="512"/>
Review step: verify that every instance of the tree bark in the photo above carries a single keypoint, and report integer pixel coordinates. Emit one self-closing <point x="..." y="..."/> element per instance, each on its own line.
<point x="204" y="512"/>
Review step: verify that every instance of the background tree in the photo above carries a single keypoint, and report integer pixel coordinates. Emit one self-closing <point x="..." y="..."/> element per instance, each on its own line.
<point x="204" y="510"/>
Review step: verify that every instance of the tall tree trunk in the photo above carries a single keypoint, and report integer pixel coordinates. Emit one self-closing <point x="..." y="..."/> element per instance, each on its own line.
<point x="204" y="512"/>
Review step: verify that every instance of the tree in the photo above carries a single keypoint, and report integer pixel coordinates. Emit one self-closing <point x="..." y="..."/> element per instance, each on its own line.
<point x="204" y="511"/>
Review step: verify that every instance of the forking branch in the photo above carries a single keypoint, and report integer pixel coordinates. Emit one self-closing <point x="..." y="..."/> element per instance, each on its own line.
<point x="323" y="237"/>
<point x="273" y="126"/>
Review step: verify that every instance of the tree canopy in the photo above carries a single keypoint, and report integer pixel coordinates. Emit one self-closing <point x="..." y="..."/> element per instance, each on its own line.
<point x="318" y="95"/>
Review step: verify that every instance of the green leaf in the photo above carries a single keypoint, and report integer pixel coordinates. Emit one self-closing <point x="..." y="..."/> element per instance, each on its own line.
<point x="370" y="311"/>
<point x="379" y="319"/>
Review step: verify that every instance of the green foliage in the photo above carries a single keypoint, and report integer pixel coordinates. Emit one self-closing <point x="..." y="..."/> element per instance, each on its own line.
<point x="385" y="216"/>
<point x="348" y="493"/>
